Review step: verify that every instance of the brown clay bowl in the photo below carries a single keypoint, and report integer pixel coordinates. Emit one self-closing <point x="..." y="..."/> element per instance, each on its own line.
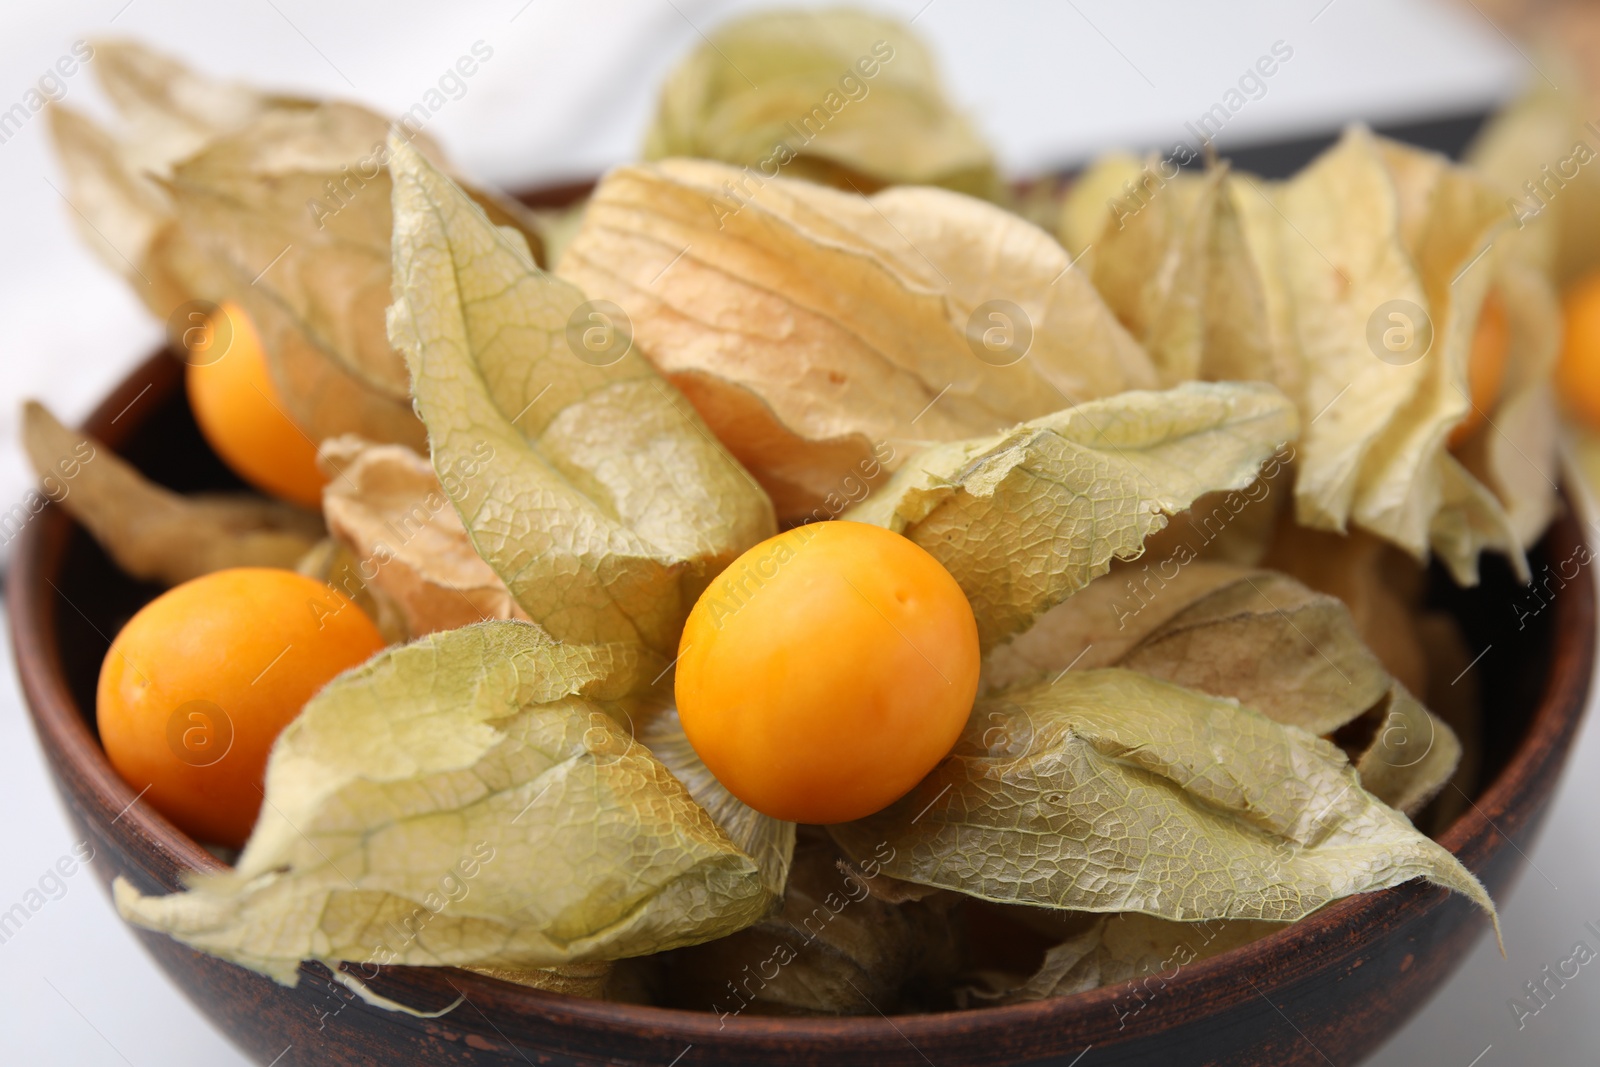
<point x="1327" y="990"/>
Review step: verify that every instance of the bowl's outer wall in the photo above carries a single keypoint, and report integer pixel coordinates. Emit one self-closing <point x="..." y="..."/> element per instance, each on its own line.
<point x="1328" y="989"/>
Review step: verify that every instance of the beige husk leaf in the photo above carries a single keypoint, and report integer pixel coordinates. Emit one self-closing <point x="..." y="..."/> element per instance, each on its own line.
<point x="840" y="96"/>
<point x="1103" y="621"/>
<point x="1114" y="949"/>
<point x="812" y="326"/>
<point x="1258" y="637"/>
<point x="1224" y="276"/>
<point x="169" y="111"/>
<point x="1026" y="518"/>
<point x="769" y="841"/>
<point x="1173" y="259"/>
<point x="331" y="562"/>
<point x="471" y="799"/>
<point x="387" y="509"/>
<point x="1273" y="645"/>
<point x="833" y="948"/>
<point x="1539" y="154"/>
<point x="572" y="979"/>
<point x="213" y="191"/>
<point x="1097" y="199"/>
<point x="1109" y="791"/>
<point x="1368" y="223"/>
<point x="608" y="505"/>
<point x="312" y="264"/>
<point x="1376" y="581"/>
<point x="1516" y="450"/>
<point x="1413" y="753"/>
<point x="1295" y="656"/>
<point x="1236" y="526"/>
<point x="152" y="533"/>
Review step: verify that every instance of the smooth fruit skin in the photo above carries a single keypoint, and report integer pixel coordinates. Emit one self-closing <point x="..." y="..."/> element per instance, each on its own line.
<point x="827" y="671"/>
<point x="1578" y="373"/>
<point x="242" y="417"/>
<point x="198" y="685"/>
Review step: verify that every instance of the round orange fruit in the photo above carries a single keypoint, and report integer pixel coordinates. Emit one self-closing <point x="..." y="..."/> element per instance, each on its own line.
<point x="827" y="671"/>
<point x="242" y="416"/>
<point x="198" y="685"/>
<point x="1578" y="373"/>
<point x="1486" y="367"/>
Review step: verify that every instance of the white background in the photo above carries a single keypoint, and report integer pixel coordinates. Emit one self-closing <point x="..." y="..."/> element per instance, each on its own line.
<point x="568" y="92"/>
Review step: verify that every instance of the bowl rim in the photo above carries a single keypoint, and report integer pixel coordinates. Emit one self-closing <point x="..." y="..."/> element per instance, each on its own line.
<point x="1477" y="835"/>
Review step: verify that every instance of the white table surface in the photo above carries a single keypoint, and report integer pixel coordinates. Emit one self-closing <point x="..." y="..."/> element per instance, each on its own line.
<point x="568" y="92"/>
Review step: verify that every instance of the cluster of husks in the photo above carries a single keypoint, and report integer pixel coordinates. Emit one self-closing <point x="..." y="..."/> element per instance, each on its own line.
<point x="1200" y="745"/>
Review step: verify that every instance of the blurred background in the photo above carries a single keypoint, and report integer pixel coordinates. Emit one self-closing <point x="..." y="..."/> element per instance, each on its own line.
<point x="568" y="93"/>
